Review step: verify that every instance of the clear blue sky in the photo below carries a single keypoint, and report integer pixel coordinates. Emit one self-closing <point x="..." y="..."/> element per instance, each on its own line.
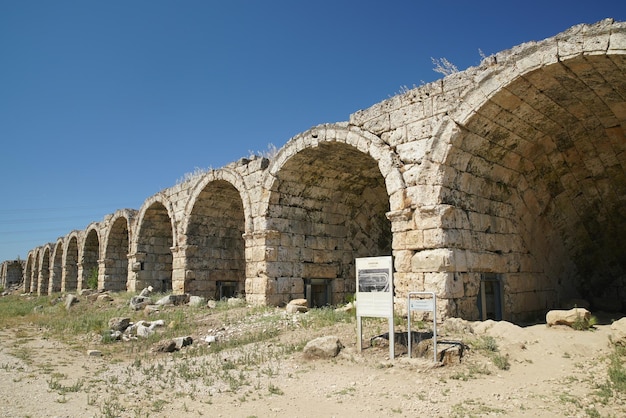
<point x="105" y="103"/>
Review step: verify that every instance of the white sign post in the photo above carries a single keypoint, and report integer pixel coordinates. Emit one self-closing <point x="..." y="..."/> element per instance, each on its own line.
<point x="374" y="294"/>
<point x="429" y="305"/>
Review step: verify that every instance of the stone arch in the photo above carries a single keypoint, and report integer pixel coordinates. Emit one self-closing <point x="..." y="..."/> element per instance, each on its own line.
<point x="116" y="250"/>
<point x="330" y="192"/>
<point x="534" y="173"/>
<point x="153" y="243"/>
<point x="217" y="216"/>
<point x="44" y="271"/>
<point x="387" y="160"/>
<point x="28" y="269"/>
<point x="89" y="256"/>
<point x="56" y="269"/>
<point x="34" y="282"/>
<point x="70" y="266"/>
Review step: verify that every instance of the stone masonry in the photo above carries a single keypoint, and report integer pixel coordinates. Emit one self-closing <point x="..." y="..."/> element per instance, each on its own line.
<point x="502" y="188"/>
<point x="11" y="273"/>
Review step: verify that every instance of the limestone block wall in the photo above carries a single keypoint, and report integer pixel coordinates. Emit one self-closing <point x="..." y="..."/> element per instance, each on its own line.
<point x="328" y="195"/>
<point x="113" y="265"/>
<point x="500" y="187"/>
<point x="56" y="268"/>
<point x="11" y="272"/>
<point x="69" y="281"/>
<point x="514" y="168"/>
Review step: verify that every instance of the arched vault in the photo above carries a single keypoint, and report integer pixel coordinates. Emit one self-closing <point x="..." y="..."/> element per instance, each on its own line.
<point x="535" y="164"/>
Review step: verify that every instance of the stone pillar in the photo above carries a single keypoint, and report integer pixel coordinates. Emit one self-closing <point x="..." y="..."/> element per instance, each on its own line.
<point x="179" y="264"/>
<point x="33" y="280"/>
<point x="262" y="257"/>
<point x="80" y="278"/>
<point x="136" y="280"/>
<point x="41" y="288"/>
<point x="63" y="278"/>
<point x="103" y="277"/>
<point x="405" y="238"/>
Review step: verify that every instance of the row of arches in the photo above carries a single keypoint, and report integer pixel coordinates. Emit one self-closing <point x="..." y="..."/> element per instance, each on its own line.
<point x="501" y="188"/>
<point x="314" y="210"/>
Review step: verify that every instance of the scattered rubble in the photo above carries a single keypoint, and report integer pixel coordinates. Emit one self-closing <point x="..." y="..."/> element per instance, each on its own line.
<point x="139" y="302"/>
<point x="70" y="300"/>
<point x="119" y="324"/>
<point x="173" y="300"/>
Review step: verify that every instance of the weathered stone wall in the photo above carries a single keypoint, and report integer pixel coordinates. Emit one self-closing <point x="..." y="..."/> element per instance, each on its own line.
<point x="517" y="168"/>
<point x="501" y="188"/>
<point x="11" y="273"/>
<point x="113" y="265"/>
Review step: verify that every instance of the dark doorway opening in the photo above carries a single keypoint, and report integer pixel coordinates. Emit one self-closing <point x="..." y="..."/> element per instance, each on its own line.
<point x="226" y="290"/>
<point x="318" y="292"/>
<point x="490" y="297"/>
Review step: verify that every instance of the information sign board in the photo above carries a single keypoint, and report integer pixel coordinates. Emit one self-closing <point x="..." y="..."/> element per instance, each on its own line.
<point x="427" y="301"/>
<point x="374" y="295"/>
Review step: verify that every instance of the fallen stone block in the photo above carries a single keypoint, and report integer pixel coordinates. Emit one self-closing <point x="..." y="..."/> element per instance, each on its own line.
<point x="146" y="292"/>
<point x="183" y="342"/>
<point x="323" y="347"/>
<point x="197" y="301"/>
<point x="618" y="332"/>
<point x="168" y="346"/>
<point x="139" y="302"/>
<point x="236" y="302"/>
<point x="292" y="309"/>
<point x="144" y="331"/>
<point x="174" y="300"/>
<point x="569" y="317"/>
<point x="119" y="323"/>
<point x="105" y="297"/>
<point x="70" y="300"/>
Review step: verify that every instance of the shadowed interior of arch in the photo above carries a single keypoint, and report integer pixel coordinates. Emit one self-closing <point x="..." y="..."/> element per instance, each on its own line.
<point x="539" y="174"/>
<point x="329" y="204"/>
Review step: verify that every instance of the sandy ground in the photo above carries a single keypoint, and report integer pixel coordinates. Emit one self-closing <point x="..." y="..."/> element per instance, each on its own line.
<point x="554" y="372"/>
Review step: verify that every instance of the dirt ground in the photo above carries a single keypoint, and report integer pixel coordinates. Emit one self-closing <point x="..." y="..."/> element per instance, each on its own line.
<point x="554" y="372"/>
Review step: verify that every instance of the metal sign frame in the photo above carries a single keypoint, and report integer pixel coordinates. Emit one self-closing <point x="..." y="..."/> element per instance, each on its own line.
<point x="428" y="305"/>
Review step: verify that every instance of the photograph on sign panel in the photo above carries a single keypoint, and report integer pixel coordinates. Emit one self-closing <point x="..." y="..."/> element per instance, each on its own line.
<point x="373" y="280"/>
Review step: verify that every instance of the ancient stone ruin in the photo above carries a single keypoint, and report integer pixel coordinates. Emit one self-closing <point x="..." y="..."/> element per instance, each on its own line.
<point x="11" y="273"/>
<point x="502" y="188"/>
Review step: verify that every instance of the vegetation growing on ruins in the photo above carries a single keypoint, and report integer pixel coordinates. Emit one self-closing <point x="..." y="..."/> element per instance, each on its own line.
<point x="196" y="173"/>
<point x="443" y="66"/>
<point x="92" y="278"/>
